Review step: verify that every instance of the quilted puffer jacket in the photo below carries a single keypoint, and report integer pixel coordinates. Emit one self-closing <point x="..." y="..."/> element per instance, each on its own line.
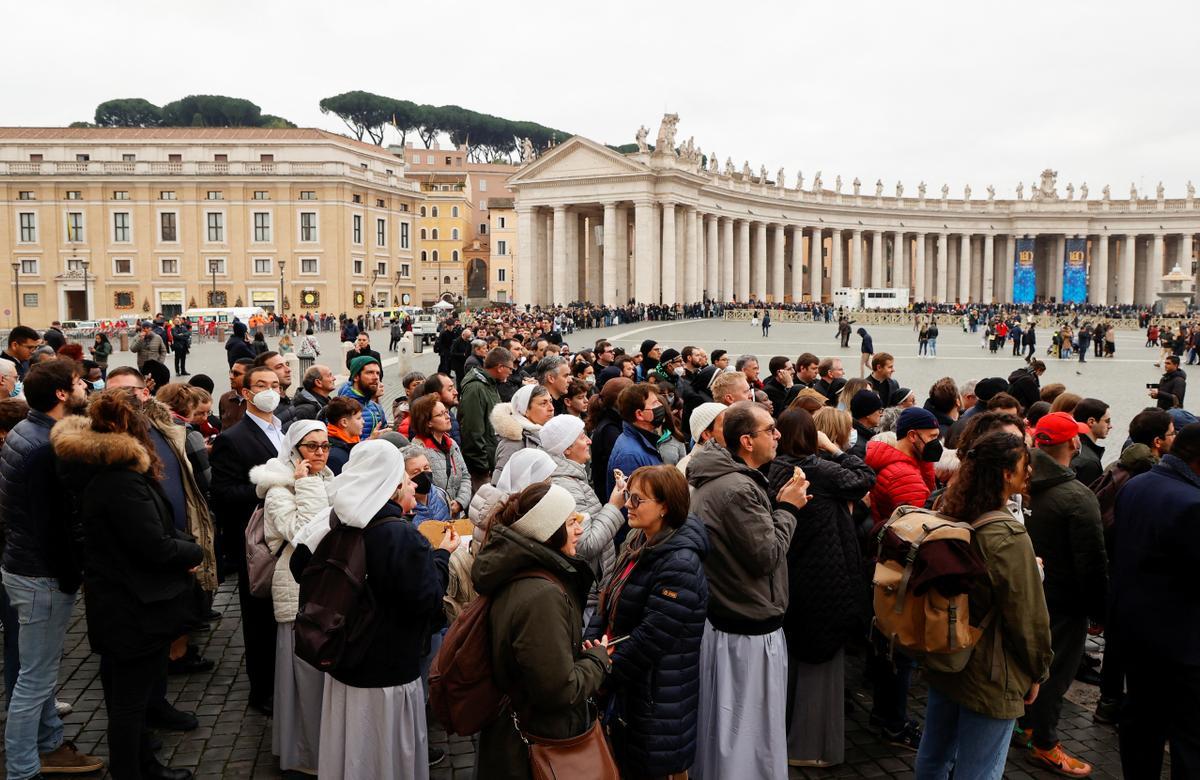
<point x="595" y="544"/>
<point x="899" y="480"/>
<point x="288" y="504"/>
<point x="513" y="432"/>
<point x="655" y="675"/>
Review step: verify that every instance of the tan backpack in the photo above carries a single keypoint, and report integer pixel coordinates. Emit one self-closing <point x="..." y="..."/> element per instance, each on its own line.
<point x="930" y="628"/>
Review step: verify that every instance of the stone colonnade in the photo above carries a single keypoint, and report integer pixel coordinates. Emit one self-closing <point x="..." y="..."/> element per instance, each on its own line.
<point x="651" y="252"/>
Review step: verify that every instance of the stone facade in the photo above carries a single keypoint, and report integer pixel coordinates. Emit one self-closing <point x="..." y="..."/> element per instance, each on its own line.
<point x="680" y="227"/>
<point x="106" y="222"/>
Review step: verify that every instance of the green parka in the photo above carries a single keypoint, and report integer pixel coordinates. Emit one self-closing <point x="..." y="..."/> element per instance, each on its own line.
<point x="477" y="397"/>
<point x="1014" y="588"/>
<point x="537" y="648"/>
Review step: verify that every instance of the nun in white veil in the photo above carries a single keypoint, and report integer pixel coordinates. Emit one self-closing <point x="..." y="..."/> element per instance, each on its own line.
<point x="373" y="714"/>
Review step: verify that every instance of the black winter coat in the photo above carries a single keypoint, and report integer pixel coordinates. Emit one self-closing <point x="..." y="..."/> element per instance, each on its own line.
<point x="236" y="347"/>
<point x="28" y="493"/>
<point x="655" y="678"/>
<point x="408" y="579"/>
<point x="605" y="435"/>
<point x="827" y="592"/>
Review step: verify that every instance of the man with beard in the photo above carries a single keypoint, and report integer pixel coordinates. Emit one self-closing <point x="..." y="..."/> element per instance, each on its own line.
<point x="40" y="572"/>
<point x="365" y="375"/>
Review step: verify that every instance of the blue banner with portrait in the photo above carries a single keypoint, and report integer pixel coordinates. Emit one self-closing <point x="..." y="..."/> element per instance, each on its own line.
<point x="1024" y="278"/>
<point x="1075" y="271"/>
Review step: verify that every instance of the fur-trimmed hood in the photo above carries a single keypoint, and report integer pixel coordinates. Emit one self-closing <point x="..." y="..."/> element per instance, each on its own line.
<point x="279" y="472"/>
<point x="74" y="440"/>
<point x="510" y="425"/>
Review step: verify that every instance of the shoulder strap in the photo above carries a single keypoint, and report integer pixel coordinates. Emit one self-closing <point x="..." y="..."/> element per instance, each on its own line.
<point x="539" y="574"/>
<point x="995" y="516"/>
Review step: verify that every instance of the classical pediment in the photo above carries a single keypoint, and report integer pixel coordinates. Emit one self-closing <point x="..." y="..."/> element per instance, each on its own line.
<point x="575" y="158"/>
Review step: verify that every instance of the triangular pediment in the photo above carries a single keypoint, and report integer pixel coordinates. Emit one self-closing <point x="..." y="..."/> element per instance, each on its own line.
<point x="574" y="158"/>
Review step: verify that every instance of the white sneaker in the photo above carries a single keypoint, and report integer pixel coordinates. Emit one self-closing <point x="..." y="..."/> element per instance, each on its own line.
<point x="63" y="708"/>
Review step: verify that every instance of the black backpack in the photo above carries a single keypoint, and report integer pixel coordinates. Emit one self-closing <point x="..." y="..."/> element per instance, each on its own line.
<point x="337" y="610"/>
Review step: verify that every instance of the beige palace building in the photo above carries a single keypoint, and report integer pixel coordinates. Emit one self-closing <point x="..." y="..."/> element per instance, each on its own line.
<point x="97" y="223"/>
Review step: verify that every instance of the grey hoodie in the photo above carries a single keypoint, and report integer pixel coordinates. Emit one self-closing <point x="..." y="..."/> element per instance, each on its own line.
<point x="747" y="567"/>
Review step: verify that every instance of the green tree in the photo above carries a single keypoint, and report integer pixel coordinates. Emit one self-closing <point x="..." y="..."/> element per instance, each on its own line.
<point x="211" y="111"/>
<point x="128" y="112"/>
<point x="270" y="120"/>
<point x="431" y="122"/>
<point x="406" y="118"/>
<point x="363" y="112"/>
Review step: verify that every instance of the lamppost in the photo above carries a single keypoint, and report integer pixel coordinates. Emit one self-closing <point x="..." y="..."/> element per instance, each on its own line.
<point x="16" y="266"/>
<point x="212" y="266"/>
<point x="371" y="292"/>
<point x="395" y="297"/>
<point x="84" y="265"/>
<point x="279" y="308"/>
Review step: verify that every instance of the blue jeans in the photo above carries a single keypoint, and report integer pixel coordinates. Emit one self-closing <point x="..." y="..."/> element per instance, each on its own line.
<point x="971" y="744"/>
<point x="34" y="727"/>
<point x="12" y="634"/>
<point x="933" y="347"/>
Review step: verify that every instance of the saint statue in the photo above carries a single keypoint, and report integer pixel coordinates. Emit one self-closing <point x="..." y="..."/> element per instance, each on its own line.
<point x="1191" y="190"/>
<point x="762" y="174"/>
<point x="780" y="180"/>
<point x="945" y="191"/>
<point x="857" y="186"/>
<point x="713" y="166"/>
<point x="899" y="189"/>
<point x="729" y="166"/>
<point x="642" y="132"/>
<point x="1020" y="190"/>
<point x="991" y="191"/>
<point x="1133" y="191"/>
<point x="921" y="190"/>
<point x="1070" y="191"/>
<point x="817" y="183"/>
<point x="666" y="134"/>
<point x="746" y="174"/>
<point x="1159" y="191"/>
<point x="967" y="192"/>
<point x="1083" y="191"/>
<point x="1035" y="192"/>
<point x="1106" y="192"/>
<point x="879" y="188"/>
<point x="837" y="184"/>
<point x="526" y="151"/>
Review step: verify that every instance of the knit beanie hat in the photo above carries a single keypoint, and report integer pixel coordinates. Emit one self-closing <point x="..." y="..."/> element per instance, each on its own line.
<point x="560" y="432"/>
<point x="547" y="515"/>
<point x="865" y="402"/>
<point x="703" y="416"/>
<point x="914" y="418"/>
<point x="359" y="363"/>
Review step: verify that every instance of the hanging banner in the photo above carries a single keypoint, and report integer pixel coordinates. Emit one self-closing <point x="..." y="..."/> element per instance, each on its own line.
<point x="1024" y="278"/>
<point x="1075" y="271"/>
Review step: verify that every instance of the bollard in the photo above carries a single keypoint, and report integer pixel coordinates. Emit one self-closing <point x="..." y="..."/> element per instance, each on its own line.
<point x="404" y="358"/>
<point x="125" y="340"/>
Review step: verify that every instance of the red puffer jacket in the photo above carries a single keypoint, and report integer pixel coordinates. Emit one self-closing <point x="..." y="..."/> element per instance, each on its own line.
<point x="899" y="480"/>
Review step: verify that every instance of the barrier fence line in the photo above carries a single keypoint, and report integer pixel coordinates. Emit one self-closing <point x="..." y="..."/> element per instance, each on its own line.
<point x="866" y="317"/>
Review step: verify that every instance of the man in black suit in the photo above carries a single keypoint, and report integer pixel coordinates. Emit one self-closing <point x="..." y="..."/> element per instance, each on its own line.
<point x="252" y="441"/>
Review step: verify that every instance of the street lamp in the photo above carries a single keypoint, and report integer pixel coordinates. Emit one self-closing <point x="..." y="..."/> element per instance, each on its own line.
<point x="374" y="279"/>
<point x="212" y="266"/>
<point x="84" y="265"/>
<point x="395" y="297"/>
<point x="282" y="266"/>
<point x="16" y="266"/>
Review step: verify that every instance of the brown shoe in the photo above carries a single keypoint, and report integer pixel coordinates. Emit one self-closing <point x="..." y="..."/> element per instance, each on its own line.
<point x="67" y="760"/>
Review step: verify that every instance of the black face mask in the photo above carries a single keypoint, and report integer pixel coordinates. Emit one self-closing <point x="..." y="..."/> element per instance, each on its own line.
<point x="660" y="416"/>
<point x="424" y="482"/>
<point x="932" y="451"/>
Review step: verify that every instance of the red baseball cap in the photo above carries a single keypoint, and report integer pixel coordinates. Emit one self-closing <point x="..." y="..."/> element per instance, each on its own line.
<point x="1056" y="428"/>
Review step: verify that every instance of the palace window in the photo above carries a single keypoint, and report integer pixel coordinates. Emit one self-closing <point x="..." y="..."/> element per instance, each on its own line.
<point x="308" y="195"/>
<point x="216" y="227"/>
<point x="501" y="274"/>
<point x="381" y="232"/>
<point x="74" y="195"/>
<point x="168" y="231"/>
<point x="120" y="194"/>
<point x="404" y="235"/>
<point x="262" y="226"/>
<point x="29" y="266"/>
<point x="214" y="195"/>
<point x="168" y="266"/>
<point x="262" y="265"/>
<point x="357" y="228"/>
<point x="28" y="221"/>
<point x="358" y="266"/>
<point x="308" y="226"/>
<point x="28" y="195"/>
<point x="454" y="211"/>
<point x="166" y="195"/>
<point x="308" y="265"/>
<point x="262" y="195"/>
<point x="501" y="247"/>
<point x="122" y="266"/>
<point x="405" y="270"/>
<point x="121" y="227"/>
<point x="75" y="227"/>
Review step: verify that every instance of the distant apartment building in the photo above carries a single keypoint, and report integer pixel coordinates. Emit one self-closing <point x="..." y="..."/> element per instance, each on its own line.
<point x="98" y="223"/>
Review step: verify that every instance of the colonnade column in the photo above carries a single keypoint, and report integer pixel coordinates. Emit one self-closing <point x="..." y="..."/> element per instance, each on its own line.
<point x="856" y="261"/>
<point x="877" y="259"/>
<point x="1126" y="271"/>
<point x="559" y="287"/>
<point x="919" y="270"/>
<point x="691" y="256"/>
<point x="836" y="261"/>
<point x="988" y="294"/>
<point x="610" y="296"/>
<point x="644" y="249"/>
<point x="964" y="267"/>
<point x="712" y="253"/>
<point x="899" y="271"/>
<point x="778" y="238"/>
<point x="815" y="275"/>
<point x="743" y="261"/>
<point x="1098" y="279"/>
<point x="942" y="267"/>
<point x="526" y="251"/>
<point x="1156" y="268"/>
<point x="623" y="285"/>
<point x="797" y="234"/>
<point x="1184" y="258"/>
<point x="760" y="261"/>
<point x="727" y="290"/>
<point x="668" y="254"/>
<point x="1060" y="254"/>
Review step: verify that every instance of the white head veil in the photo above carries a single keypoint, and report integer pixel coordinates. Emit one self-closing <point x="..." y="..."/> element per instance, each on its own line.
<point x="298" y="430"/>
<point x="523" y="469"/>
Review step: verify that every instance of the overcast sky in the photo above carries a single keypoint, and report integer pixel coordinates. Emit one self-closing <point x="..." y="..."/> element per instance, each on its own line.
<point x="947" y="92"/>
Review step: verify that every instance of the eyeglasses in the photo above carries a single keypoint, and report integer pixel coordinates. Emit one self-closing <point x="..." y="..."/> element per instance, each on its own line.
<point x="442" y="413"/>
<point x="770" y="429"/>
<point x="634" y="500"/>
<point x="314" y="446"/>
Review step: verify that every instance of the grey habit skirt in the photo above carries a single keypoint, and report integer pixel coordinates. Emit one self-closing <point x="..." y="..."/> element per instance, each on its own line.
<point x="296" y="725"/>
<point x="817" y="733"/>
<point x="740" y="726"/>
<point x="370" y="733"/>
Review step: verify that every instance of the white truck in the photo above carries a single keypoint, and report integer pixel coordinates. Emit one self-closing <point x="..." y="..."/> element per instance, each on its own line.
<point x="871" y="297"/>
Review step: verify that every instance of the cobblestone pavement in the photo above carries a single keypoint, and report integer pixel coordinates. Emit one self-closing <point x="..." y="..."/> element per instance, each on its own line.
<point x="234" y="741"/>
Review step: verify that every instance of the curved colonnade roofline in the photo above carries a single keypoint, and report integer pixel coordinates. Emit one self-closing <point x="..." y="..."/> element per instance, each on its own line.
<point x="658" y="225"/>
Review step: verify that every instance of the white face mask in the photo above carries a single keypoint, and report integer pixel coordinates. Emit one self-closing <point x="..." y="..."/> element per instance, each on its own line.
<point x="679" y="371"/>
<point x="590" y="379"/>
<point x="266" y="401"/>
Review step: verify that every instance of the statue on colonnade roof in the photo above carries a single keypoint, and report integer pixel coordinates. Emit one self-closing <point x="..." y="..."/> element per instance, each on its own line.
<point x="666" y="134"/>
<point x="1083" y="191"/>
<point x="1047" y="189"/>
<point x="642" y="132"/>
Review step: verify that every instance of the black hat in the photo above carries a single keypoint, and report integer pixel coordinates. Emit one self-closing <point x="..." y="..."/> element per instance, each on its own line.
<point x="986" y="389"/>
<point x="864" y="403"/>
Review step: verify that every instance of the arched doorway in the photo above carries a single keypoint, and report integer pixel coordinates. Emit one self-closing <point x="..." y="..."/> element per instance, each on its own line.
<point x="477" y="278"/>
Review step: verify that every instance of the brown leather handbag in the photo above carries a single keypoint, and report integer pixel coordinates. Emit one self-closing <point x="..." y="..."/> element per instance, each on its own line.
<point x="585" y="757"/>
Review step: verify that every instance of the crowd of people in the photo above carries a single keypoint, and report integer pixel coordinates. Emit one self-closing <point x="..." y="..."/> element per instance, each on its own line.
<point x="672" y="547"/>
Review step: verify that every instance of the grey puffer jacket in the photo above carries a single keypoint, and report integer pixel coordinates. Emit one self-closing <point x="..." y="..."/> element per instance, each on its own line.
<point x="595" y="544"/>
<point x="449" y="469"/>
<point x="513" y="432"/>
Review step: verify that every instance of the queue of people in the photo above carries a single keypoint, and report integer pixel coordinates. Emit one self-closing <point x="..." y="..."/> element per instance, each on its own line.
<point x="673" y="561"/>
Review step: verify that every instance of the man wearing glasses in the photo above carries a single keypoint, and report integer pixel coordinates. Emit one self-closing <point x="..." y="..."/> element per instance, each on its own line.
<point x="740" y="729"/>
<point x="478" y="395"/>
<point x="251" y="442"/>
